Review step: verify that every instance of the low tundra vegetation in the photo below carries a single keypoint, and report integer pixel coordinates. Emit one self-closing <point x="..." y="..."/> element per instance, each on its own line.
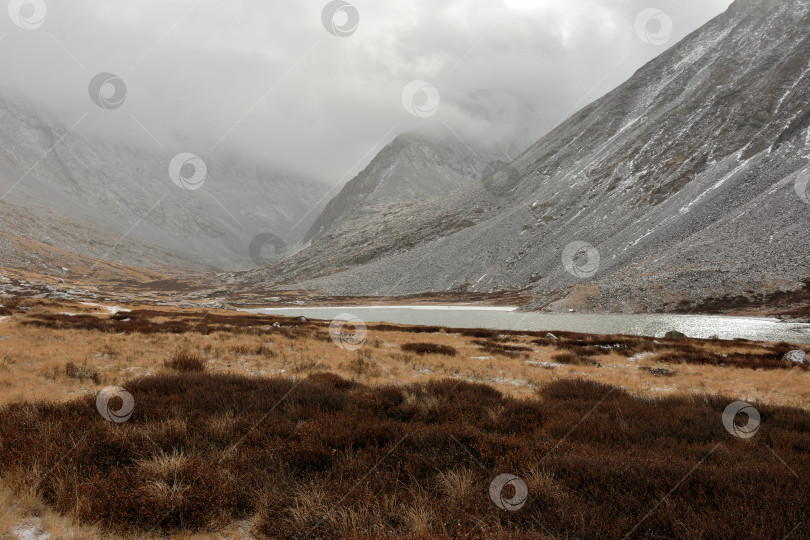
<point x="186" y="362"/>
<point x="429" y="348"/>
<point x="326" y="457"/>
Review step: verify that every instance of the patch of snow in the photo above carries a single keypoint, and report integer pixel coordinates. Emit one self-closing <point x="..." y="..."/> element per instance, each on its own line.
<point x="796" y="82"/>
<point x="640" y="356"/>
<point x="29" y="532"/>
<point x="685" y="209"/>
<point x="504" y="380"/>
<point x="4" y="319"/>
<point x="112" y="310"/>
<point x="547" y="365"/>
<point x="663" y="388"/>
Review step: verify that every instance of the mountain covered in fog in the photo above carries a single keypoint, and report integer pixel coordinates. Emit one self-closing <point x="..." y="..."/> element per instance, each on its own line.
<point x="415" y="166"/>
<point x="118" y="202"/>
<point x="683" y="181"/>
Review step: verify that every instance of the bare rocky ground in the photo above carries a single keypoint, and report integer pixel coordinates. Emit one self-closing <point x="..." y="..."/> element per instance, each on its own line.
<point x="685" y="181"/>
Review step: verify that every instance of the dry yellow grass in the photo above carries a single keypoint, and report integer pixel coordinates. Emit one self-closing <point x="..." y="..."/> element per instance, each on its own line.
<point x="33" y="362"/>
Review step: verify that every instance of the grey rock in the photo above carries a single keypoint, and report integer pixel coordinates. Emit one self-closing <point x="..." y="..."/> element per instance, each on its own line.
<point x="797" y="357"/>
<point x="674" y="334"/>
<point x="659" y="372"/>
<point x="551" y="336"/>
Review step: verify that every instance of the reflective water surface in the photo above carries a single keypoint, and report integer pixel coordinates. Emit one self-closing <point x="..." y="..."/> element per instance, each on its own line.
<point x="699" y="326"/>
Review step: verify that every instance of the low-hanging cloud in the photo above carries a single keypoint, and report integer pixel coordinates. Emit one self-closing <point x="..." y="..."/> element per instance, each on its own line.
<point x="267" y="79"/>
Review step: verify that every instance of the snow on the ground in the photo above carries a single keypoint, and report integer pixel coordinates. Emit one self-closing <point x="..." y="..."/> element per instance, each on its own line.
<point x="640" y="356"/>
<point x="547" y="365"/>
<point x="29" y="531"/>
<point x="111" y="309"/>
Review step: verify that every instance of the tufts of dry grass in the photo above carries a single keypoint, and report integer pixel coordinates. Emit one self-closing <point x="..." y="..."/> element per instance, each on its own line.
<point x="33" y="357"/>
<point x="185" y="362"/>
<point x="326" y="457"/>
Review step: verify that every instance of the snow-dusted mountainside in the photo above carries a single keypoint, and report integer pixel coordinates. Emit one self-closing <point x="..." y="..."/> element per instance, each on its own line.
<point x="415" y="166"/>
<point x="90" y="196"/>
<point x="683" y="179"/>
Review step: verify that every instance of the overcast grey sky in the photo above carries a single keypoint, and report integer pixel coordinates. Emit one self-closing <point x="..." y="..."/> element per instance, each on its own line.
<point x="267" y="78"/>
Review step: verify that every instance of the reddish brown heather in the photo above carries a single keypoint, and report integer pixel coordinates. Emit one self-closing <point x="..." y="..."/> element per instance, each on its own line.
<point x="186" y="362"/>
<point x="324" y="457"/>
<point x="429" y="348"/>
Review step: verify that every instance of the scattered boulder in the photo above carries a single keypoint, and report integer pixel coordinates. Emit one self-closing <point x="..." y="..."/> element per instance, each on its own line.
<point x="551" y="336"/>
<point x="674" y="334"/>
<point x="302" y="319"/>
<point x="276" y="325"/>
<point x="797" y="357"/>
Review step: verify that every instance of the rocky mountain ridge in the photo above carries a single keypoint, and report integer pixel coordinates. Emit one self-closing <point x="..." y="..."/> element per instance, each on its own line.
<point x="676" y="188"/>
<point x="415" y="166"/>
<point x="77" y="192"/>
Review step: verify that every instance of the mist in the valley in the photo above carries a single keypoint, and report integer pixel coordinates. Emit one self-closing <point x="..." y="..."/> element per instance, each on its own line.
<point x="265" y="79"/>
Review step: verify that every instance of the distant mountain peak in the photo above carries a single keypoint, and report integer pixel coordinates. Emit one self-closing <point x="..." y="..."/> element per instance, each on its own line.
<point x="415" y="166"/>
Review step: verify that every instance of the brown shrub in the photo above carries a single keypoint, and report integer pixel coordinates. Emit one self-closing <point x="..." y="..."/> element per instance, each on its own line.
<point x="186" y="362"/>
<point x="497" y="347"/>
<point x="323" y="457"/>
<point x="429" y="348"/>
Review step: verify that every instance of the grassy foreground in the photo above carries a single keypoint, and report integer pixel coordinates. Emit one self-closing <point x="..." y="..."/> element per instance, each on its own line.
<point x="237" y="431"/>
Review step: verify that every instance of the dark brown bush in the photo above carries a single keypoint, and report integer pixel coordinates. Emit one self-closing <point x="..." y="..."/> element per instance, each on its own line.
<point x="573" y="359"/>
<point x="429" y="348"/>
<point x="323" y="457"/>
<point x="498" y="347"/>
<point x="186" y="362"/>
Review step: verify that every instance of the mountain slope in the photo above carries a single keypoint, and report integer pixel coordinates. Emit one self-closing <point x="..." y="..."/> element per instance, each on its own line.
<point x="68" y="183"/>
<point x="682" y="179"/>
<point x="415" y="166"/>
